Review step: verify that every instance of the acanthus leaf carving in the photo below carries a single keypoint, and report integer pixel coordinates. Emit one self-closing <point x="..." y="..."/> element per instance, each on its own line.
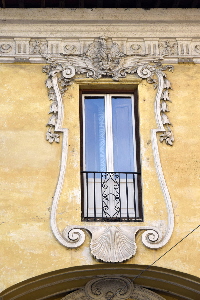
<point x="51" y="136"/>
<point x="167" y="84"/>
<point x="38" y="47"/>
<point x="168" y="48"/>
<point x="165" y="119"/>
<point x="167" y="137"/>
<point x="197" y="48"/>
<point x="70" y="49"/>
<point x="164" y="107"/>
<point x="104" y="58"/>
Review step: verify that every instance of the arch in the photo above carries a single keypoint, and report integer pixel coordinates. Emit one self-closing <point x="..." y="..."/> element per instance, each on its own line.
<point x="57" y="284"/>
<point x="112" y="288"/>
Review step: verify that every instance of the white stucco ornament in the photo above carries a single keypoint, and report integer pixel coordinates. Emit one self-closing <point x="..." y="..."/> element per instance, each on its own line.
<point x="104" y="58"/>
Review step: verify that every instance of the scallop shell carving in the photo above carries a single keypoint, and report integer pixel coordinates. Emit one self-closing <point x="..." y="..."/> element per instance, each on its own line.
<point x="113" y="244"/>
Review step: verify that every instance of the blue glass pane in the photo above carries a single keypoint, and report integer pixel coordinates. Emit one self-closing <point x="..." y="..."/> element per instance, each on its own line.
<point x="122" y="134"/>
<point x="95" y="137"/>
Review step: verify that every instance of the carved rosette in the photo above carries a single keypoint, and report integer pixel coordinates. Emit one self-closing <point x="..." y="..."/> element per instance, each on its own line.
<point x="5" y="48"/>
<point x="109" y="288"/>
<point x="168" y="48"/>
<point x="38" y="47"/>
<point x="104" y="58"/>
<point x="112" y="288"/>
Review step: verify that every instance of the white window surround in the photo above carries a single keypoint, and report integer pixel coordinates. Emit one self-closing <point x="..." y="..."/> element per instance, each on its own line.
<point x="112" y="58"/>
<point x="104" y="58"/>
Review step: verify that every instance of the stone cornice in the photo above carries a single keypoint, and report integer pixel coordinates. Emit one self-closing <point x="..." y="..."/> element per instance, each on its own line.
<point x="100" y="14"/>
<point x="27" y="34"/>
<point x="94" y="22"/>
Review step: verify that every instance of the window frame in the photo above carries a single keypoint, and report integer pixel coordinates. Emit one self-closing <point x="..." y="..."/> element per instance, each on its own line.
<point x="136" y="142"/>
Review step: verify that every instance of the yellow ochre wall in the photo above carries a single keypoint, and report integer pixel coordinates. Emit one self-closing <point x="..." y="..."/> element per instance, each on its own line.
<point x="30" y="168"/>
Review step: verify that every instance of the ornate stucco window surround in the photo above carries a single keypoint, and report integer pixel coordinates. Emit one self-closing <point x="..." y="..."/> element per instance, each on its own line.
<point x="104" y="59"/>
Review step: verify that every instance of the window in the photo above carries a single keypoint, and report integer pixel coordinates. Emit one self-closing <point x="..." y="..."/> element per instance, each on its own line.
<point x="111" y="178"/>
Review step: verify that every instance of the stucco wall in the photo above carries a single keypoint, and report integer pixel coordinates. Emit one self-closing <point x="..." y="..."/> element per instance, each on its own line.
<point x="30" y="167"/>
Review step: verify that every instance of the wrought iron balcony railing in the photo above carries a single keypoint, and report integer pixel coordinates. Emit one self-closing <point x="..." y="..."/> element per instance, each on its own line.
<point x="112" y="196"/>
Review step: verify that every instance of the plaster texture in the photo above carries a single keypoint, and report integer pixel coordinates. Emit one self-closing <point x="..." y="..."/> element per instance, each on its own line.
<point x="30" y="166"/>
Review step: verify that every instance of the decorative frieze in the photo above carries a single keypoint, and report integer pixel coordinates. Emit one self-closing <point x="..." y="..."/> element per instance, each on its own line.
<point x="38" y="47"/>
<point x="151" y="47"/>
<point x="135" y="48"/>
<point x="22" y="47"/>
<point x="168" y="48"/>
<point x="5" y="48"/>
<point x="30" y="48"/>
<point x="71" y="49"/>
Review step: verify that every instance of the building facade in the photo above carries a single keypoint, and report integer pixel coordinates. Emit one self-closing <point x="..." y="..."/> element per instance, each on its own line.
<point x="100" y="192"/>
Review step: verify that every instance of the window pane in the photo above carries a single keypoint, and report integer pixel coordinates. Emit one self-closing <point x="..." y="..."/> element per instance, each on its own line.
<point x="122" y="123"/>
<point x="95" y="138"/>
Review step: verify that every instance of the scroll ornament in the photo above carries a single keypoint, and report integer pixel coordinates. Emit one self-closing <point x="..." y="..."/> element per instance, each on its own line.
<point x="104" y="58"/>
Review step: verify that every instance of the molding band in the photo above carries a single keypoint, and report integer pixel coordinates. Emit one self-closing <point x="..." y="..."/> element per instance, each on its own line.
<point x="30" y="49"/>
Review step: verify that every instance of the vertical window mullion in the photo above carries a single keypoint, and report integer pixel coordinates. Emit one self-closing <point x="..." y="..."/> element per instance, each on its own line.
<point x="134" y="136"/>
<point x="83" y="115"/>
<point x="109" y="133"/>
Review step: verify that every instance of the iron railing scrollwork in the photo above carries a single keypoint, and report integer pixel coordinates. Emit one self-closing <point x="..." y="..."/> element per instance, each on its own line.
<point x="111" y="196"/>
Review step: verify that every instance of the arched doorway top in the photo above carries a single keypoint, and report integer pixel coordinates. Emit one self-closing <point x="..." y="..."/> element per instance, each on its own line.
<point x="61" y="282"/>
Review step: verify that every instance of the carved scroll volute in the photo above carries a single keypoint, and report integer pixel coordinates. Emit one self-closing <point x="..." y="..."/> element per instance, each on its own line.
<point x="108" y="288"/>
<point x="104" y="58"/>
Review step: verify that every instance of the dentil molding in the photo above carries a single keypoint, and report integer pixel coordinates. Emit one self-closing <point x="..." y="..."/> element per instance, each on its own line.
<point x="104" y="58"/>
<point x="112" y="288"/>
